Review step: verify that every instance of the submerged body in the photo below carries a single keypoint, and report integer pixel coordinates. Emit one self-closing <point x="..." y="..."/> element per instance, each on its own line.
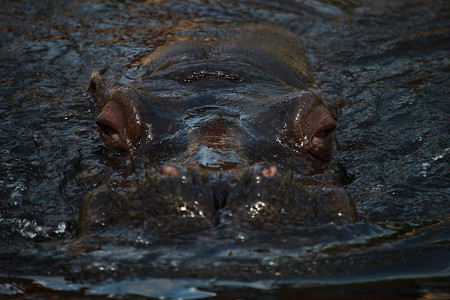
<point x="230" y="128"/>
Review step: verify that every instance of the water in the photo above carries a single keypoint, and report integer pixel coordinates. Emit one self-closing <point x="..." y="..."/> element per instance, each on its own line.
<point x="389" y="60"/>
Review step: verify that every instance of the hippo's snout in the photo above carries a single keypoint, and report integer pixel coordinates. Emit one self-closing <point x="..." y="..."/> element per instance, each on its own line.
<point x="178" y="199"/>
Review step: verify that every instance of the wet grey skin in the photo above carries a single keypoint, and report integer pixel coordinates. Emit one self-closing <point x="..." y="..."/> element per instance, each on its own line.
<point x="233" y="129"/>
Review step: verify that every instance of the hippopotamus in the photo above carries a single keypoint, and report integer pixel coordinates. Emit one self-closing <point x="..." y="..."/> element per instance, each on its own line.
<point x="229" y="127"/>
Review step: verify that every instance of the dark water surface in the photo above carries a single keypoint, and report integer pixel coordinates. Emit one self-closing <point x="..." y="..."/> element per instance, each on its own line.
<point x="388" y="59"/>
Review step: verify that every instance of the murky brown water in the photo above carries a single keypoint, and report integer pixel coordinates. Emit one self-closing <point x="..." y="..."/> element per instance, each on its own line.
<point x="388" y="59"/>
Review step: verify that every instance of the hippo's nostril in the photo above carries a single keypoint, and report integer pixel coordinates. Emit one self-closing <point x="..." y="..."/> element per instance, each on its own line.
<point x="259" y="173"/>
<point x="170" y="170"/>
<point x="177" y="173"/>
<point x="269" y="171"/>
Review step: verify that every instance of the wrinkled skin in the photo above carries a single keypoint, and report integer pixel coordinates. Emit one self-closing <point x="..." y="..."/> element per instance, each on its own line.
<point x="231" y="129"/>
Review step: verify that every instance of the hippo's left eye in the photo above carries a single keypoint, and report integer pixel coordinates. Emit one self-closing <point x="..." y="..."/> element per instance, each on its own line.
<point x="320" y="141"/>
<point x="324" y="133"/>
<point x="326" y="129"/>
<point x="309" y="129"/>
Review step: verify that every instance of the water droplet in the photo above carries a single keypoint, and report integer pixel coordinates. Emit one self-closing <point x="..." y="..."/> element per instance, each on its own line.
<point x="440" y="156"/>
<point x="61" y="228"/>
<point x="174" y="263"/>
<point x="142" y="241"/>
<point x="242" y="237"/>
<point x="268" y="261"/>
<point x="16" y="196"/>
<point x="425" y="167"/>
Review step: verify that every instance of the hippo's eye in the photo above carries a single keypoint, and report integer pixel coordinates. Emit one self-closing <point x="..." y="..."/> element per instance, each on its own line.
<point x="109" y="134"/>
<point x="325" y="130"/>
<point x="323" y="134"/>
<point x="309" y="127"/>
<point x="106" y="130"/>
<point x="321" y="141"/>
<point x="110" y="127"/>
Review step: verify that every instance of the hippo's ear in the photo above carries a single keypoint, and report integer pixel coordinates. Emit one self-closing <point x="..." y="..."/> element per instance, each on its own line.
<point x="97" y="90"/>
<point x="332" y="100"/>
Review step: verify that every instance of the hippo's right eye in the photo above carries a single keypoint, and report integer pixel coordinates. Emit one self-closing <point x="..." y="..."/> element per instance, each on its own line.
<point x="105" y="130"/>
<point x="110" y="127"/>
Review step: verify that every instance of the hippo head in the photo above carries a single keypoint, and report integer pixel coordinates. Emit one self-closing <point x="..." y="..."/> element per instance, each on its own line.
<point x="240" y="133"/>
